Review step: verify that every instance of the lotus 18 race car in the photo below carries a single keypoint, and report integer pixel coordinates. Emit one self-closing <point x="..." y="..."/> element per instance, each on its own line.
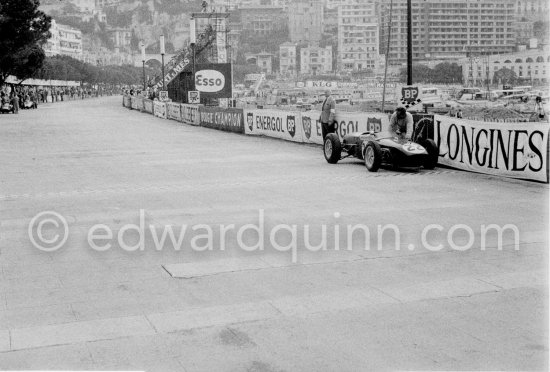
<point x="377" y="149"/>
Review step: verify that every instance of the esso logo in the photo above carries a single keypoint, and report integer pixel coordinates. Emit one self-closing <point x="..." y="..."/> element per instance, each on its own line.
<point x="210" y="81"/>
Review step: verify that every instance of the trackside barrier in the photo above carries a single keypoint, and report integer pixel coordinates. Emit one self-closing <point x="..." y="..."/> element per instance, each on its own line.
<point x="173" y="111"/>
<point x="518" y="150"/>
<point x="229" y="120"/>
<point x="148" y="106"/>
<point x="137" y="103"/>
<point x="274" y="123"/>
<point x="190" y="114"/>
<point x="159" y="109"/>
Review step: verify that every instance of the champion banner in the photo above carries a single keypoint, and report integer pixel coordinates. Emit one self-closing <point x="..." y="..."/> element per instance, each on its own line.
<point x="348" y="122"/>
<point x="159" y="109"/>
<point x="517" y="150"/>
<point x="173" y="111"/>
<point x="190" y="114"/>
<point x="230" y="120"/>
<point x="273" y="123"/>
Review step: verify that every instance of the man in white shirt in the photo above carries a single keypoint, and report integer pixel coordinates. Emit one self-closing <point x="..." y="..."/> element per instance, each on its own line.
<point x="328" y="115"/>
<point x="401" y="123"/>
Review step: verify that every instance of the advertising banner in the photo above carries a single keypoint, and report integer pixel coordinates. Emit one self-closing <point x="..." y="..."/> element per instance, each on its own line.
<point x="273" y="123"/>
<point x="214" y="80"/>
<point x="173" y="111"/>
<point x="148" y="106"/>
<point x="137" y="103"/>
<point x="159" y="109"/>
<point x="516" y="150"/>
<point x="348" y="122"/>
<point x="190" y="114"/>
<point x="230" y="120"/>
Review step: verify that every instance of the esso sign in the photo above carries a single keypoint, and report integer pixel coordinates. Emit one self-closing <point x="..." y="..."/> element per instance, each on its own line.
<point x="210" y="81"/>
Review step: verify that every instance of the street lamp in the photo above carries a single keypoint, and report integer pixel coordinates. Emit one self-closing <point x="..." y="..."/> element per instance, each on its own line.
<point x="162" y="51"/>
<point x="193" y="40"/>
<point x="143" y="62"/>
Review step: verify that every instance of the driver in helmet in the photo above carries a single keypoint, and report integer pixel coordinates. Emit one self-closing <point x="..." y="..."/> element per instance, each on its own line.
<point x="401" y="123"/>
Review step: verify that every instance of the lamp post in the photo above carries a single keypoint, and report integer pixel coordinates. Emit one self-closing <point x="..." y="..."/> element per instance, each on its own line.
<point x="162" y="51"/>
<point x="409" y="43"/>
<point x="143" y="62"/>
<point x="193" y="40"/>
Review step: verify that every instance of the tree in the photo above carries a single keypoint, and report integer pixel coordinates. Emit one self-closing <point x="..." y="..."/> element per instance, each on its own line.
<point x="25" y="30"/>
<point x="505" y="76"/>
<point x="447" y="73"/>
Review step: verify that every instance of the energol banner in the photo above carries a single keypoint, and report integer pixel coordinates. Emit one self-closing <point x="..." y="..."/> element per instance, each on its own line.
<point x="273" y="123"/>
<point x="517" y="150"/>
<point x="348" y="122"/>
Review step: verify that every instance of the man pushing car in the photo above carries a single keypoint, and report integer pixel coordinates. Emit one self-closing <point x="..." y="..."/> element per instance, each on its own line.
<point x="328" y="115"/>
<point x="401" y="123"/>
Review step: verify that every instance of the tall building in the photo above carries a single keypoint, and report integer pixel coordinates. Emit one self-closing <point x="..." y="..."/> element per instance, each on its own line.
<point x="532" y="10"/>
<point x="262" y="20"/>
<point x="305" y="21"/>
<point x="287" y="59"/>
<point x="316" y="60"/>
<point x="449" y="29"/>
<point x="358" y="35"/>
<point x="85" y="5"/>
<point x="121" y="38"/>
<point x="65" y="40"/>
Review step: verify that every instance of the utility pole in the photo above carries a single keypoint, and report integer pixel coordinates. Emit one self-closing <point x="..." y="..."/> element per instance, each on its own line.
<point x="409" y="42"/>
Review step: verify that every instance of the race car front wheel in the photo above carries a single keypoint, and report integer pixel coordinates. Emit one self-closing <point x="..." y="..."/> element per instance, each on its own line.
<point x="373" y="156"/>
<point x="332" y="148"/>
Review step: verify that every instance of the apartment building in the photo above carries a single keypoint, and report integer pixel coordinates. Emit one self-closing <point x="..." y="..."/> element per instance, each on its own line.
<point x="65" y="40"/>
<point x="288" y="59"/>
<point x="305" y="21"/>
<point x="358" y="35"/>
<point x="316" y="60"/>
<point x="449" y="29"/>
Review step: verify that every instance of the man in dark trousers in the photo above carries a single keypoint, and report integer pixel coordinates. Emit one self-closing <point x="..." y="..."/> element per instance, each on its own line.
<point x="328" y="115"/>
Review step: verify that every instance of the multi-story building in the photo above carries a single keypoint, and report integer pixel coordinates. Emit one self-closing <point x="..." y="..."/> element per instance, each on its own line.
<point x="104" y="3"/>
<point x="262" y="20"/>
<point x="316" y="60"/>
<point x="305" y="21"/>
<point x="449" y="29"/>
<point x="65" y="40"/>
<point x="532" y="10"/>
<point x="287" y="59"/>
<point x="263" y="60"/>
<point x="334" y="4"/>
<point x="531" y="66"/>
<point x="358" y="35"/>
<point x="85" y="5"/>
<point x="121" y="38"/>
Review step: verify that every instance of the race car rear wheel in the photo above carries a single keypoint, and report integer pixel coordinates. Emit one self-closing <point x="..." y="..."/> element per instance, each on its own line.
<point x="433" y="154"/>
<point x="332" y="148"/>
<point x="373" y="156"/>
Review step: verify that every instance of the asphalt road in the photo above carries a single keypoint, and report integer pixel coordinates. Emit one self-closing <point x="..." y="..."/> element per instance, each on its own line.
<point x="277" y="260"/>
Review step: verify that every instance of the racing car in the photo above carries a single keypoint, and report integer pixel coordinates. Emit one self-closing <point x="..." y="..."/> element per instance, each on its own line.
<point x="382" y="149"/>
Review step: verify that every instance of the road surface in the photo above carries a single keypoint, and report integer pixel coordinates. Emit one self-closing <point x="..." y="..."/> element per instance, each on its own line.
<point x="272" y="259"/>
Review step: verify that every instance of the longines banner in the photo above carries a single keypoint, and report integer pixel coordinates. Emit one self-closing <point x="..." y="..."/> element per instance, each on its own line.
<point x="517" y="150"/>
<point x="348" y="122"/>
<point x="229" y="120"/>
<point x="273" y="123"/>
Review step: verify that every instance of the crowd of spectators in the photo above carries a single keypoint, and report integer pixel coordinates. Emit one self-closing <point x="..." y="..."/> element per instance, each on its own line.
<point x="15" y="97"/>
